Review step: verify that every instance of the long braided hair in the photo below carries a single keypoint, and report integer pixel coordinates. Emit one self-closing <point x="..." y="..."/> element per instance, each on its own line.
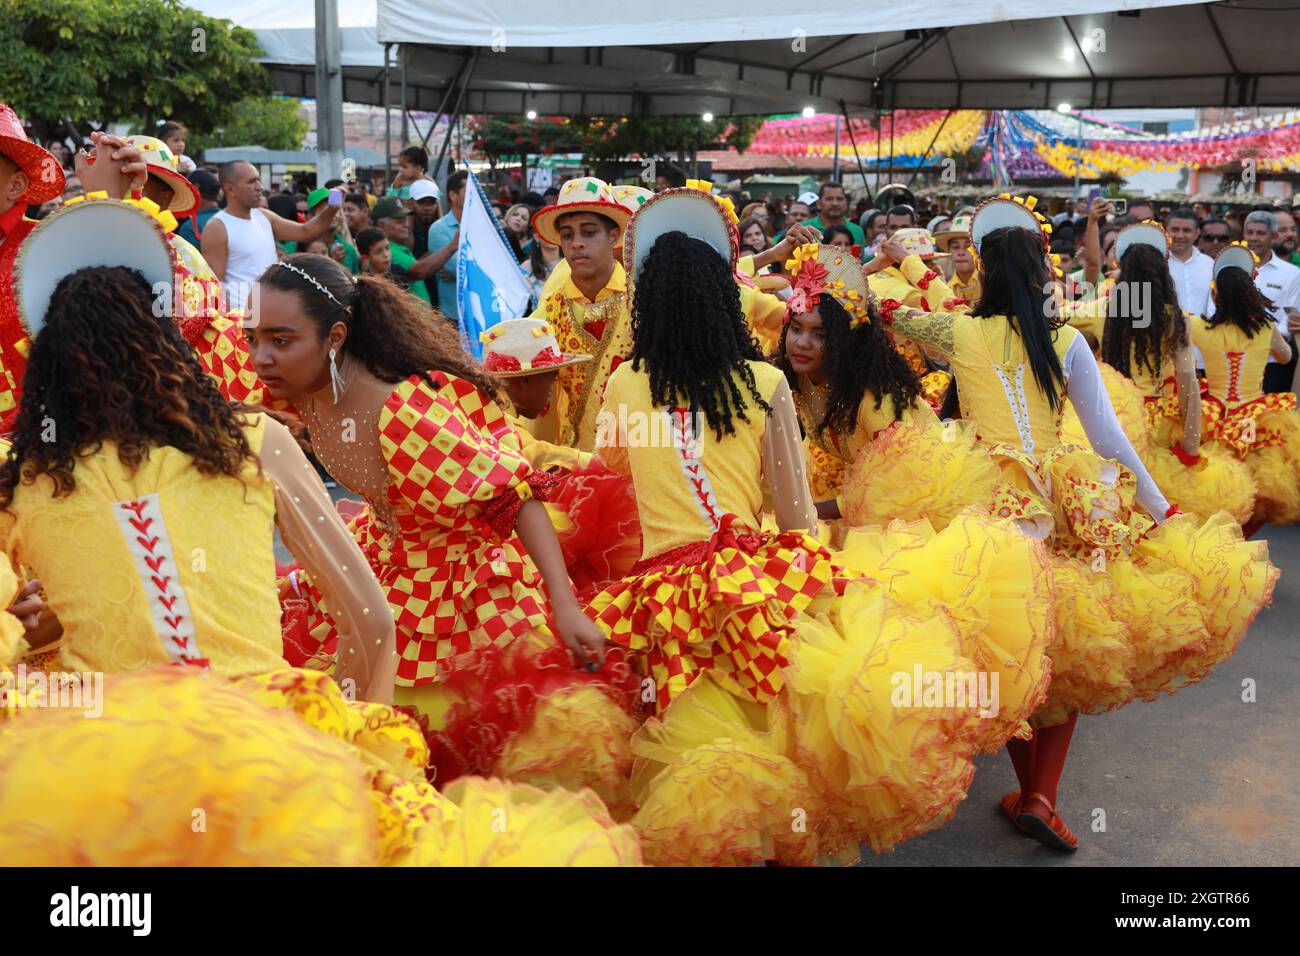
<point x="689" y="332"/>
<point x="106" y="368"/>
<point x="855" y="361"/>
<point x="1238" y="301"/>
<point x="1143" y="339"/>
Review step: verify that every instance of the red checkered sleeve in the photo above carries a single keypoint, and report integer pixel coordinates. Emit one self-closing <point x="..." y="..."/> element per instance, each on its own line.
<point x="443" y="456"/>
<point x="223" y="352"/>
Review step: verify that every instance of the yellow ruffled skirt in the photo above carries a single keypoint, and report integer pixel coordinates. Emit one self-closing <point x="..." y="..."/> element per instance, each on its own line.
<point x="918" y="471"/>
<point x="185" y="768"/>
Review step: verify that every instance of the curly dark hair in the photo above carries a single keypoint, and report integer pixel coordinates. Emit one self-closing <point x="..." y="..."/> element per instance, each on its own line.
<point x="106" y="368"/>
<point x="857" y="361"/>
<point x="1238" y="301"/>
<point x="389" y="332"/>
<point x="1161" y="330"/>
<point x="689" y="331"/>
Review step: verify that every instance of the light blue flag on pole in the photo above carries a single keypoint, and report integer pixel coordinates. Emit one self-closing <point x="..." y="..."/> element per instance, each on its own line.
<point x="490" y="287"/>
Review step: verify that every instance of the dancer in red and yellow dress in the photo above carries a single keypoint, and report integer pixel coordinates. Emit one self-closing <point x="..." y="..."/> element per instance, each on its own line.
<point x="1260" y="431"/>
<point x="207" y="748"/>
<point x="493" y="647"/>
<point x="1145" y="601"/>
<point x="769" y="667"/>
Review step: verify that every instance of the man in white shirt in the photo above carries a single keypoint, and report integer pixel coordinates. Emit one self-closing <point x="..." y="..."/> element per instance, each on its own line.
<point x="239" y="242"/>
<point x="1280" y="283"/>
<point x="1190" y="268"/>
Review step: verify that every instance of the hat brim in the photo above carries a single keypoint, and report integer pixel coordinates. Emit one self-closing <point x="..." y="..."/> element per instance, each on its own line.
<point x="1234" y="257"/>
<point x="544" y="218"/>
<point x="1141" y="234"/>
<point x="565" y="362"/>
<point x="994" y="214"/>
<point x="86" y="234"/>
<point x="185" y="195"/>
<point x="45" y="179"/>
<point x="695" y="213"/>
<point x="941" y="239"/>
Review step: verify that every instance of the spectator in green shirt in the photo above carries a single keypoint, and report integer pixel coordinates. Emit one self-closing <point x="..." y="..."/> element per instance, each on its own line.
<point x="351" y="261"/>
<point x="390" y="216"/>
<point x="832" y="206"/>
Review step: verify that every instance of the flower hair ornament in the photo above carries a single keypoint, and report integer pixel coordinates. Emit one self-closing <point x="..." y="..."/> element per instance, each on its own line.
<point x="816" y="270"/>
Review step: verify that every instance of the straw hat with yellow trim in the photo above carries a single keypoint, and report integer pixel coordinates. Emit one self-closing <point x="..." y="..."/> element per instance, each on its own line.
<point x="85" y="232"/>
<point x="586" y="194"/>
<point x="815" y="270"/>
<point x="1145" y="233"/>
<point x="163" y="163"/>
<point x="918" y="242"/>
<point x="1235" y="256"/>
<point x="519" y="347"/>
<point x="1004" y="211"/>
<point x="631" y="198"/>
<point x="689" y="209"/>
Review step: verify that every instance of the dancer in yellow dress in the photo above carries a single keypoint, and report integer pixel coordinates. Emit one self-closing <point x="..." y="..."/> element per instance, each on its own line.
<point x="769" y="667"/>
<point x="1146" y="352"/>
<point x="129" y="470"/>
<point x="1260" y="431"/>
<point x="1140" y="609"/>
<point x="493" y="647"/>
<point x="877" y="451"/>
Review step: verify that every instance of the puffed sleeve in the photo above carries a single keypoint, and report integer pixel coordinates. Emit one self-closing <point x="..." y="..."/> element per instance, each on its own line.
<point x="442" y="463"/>
<point x="784" y="466"/>
<point x="936" y="294"/>
<point x="930" y="329"/>
<point x="1087" y="393"/>
<point x="222" y="350"/>
<point x="319" y="541"/>
<point x="611" y="427"/>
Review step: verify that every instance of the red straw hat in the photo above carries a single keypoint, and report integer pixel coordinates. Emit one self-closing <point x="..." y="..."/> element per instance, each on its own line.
<point x="44" y="174"/>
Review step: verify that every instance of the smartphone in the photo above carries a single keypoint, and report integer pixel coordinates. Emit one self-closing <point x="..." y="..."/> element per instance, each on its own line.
<point x="1119" y="206"/>
<point x="349" y="169"/>
<point x="1093" y="193"/>
<point x="336" y="197"/>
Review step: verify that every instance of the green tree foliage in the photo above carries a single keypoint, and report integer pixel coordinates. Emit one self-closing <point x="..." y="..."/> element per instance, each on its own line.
<point x="611" y="137"/>
<point x="270" y="121"/>
<point x="94" y="62"/>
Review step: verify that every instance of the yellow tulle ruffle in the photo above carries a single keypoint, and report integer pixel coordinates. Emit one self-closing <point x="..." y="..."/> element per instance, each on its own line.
<point x="1276" y="468"/>
<point x="887" y="753"/>
<point x="185" y="768"/>
<point x="992" y="582"/>
<point x="714" y="787"/>
<point x="914" y="471"/>
<point x="1218" y="482"/>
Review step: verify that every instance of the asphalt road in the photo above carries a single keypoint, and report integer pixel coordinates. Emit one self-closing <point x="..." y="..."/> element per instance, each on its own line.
<point x="1199" y="778"/>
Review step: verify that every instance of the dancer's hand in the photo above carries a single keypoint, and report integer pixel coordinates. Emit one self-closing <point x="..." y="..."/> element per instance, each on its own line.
<point x="28" y="604"/>
<point x="581" y="636"/>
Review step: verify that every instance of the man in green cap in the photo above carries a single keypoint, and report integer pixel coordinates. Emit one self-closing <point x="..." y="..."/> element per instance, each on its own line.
<point x="391" y="216"/>
<point x="341" y="234"/>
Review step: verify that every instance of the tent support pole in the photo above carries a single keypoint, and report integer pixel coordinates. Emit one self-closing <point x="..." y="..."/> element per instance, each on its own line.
<point x="388" y="119"/>
<point x="455" y="114"/>
<point x="401" y="51"/>
<point x="442" y="106"/>
<point x="844" y="111"/>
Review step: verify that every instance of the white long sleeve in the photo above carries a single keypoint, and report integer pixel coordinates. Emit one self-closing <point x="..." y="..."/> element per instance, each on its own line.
<point x="1087" y="393"/>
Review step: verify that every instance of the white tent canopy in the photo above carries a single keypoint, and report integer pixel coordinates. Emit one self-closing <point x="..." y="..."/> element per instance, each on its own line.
<point x="681" y="56"/>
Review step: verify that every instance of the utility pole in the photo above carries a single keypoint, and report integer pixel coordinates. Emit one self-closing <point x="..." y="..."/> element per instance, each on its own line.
<point x="329" y="93"/>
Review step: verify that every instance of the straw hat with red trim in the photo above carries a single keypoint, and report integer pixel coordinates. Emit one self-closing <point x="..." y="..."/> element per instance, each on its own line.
<point x="518" y="347"/>
<point x="44" y="174"/>
<point x="918" y="242"/>
<point x="586" y="194"/>
<point x="165" y="164"/>
<point x="687" y="209"/>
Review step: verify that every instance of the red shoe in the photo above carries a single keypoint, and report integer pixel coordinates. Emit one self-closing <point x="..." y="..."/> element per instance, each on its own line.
<point x="1011" y="807"/>
<point x="1048" y="829"/>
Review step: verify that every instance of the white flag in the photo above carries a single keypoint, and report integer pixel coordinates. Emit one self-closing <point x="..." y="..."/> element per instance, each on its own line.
<point x="490" y="286"/>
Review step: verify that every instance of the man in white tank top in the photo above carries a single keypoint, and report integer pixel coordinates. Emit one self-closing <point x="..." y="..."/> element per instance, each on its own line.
<point x="239" y="242"/>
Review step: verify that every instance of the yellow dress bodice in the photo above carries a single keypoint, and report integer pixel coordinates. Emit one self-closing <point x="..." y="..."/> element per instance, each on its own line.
<point x="163" y="565"/>
<point x="997" y="385"/>
<point x="685" y="481"/>
<point x="1234" y="361"/>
